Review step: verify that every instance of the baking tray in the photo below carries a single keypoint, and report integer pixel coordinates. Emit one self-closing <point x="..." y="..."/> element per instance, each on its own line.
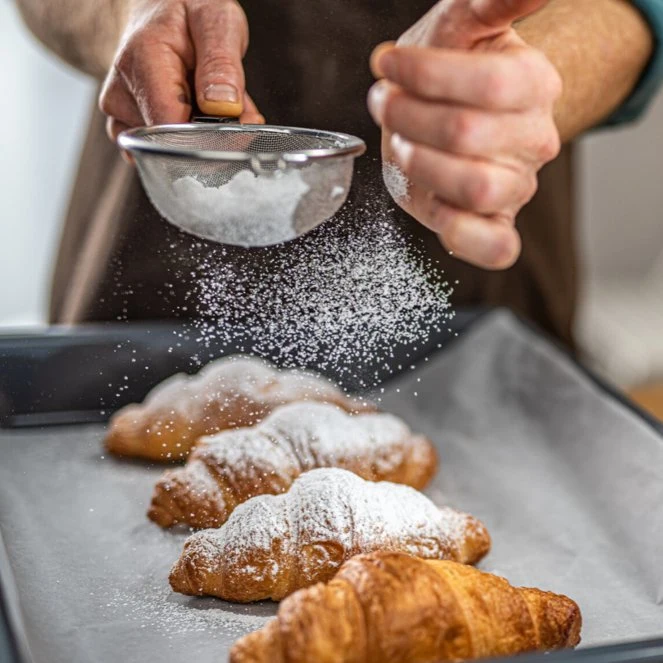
<point x="81" y="374"/>
<point x="568" y="478"/>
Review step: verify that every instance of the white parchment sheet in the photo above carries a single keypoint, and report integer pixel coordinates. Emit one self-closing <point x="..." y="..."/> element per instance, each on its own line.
<point x="568" y="481"/>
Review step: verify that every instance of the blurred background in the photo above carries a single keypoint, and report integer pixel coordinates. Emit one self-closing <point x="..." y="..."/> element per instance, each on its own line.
<point x="620" y="203"/>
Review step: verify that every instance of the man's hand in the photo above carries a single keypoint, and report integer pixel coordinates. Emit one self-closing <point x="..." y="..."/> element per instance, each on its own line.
<point x="466" y="108"/>
<point x="167" y="47"/>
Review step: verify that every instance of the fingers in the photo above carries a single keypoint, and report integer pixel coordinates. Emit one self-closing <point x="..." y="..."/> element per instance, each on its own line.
<point x="156" y="76"/>
<point x="220" y="36"/>
<point x="482" y="186"/>
<point x="251" y="114"/>
<point x="114" y="128"/>
<point x="464" y="130"/>
<point x="465" y="23"/>
<point x="508" y="81"/>
<point x="147" y="85"/>
<point x="490" y="243"/>
<point x="118" y="103"/>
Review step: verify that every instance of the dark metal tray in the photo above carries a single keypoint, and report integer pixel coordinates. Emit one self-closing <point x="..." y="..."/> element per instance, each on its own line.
<point x="34" y="395"/>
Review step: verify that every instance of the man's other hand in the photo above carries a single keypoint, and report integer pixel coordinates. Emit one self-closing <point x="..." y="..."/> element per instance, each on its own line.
<point x="466" y="108"/>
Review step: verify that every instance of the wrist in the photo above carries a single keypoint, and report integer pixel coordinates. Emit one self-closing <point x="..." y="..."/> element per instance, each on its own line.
<point x="119" y="18"/>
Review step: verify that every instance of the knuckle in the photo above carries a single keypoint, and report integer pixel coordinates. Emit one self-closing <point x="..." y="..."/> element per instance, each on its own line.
<point x="107" y="98"/>
<point x="424" y="77"/>
<point x="553" y="86"/>
<point x="232" y="11"/>
<point x="550" y="146"/>
<point x="507" y="248"/>
<point x="531" y="62"/>
<point x="227" y="14"/>
<point x="496" y="85"/>
<point x="433" y="211"/>
<point x="503" y="253"/>
<point x="537" y="67"/>
<point x="126" y="58"/>
<point x="451" y="230"/>
<point x="481" y="190"/>
<point x="464" y="127"/>
<point x="218" y="63"/>
<point x="105" y="104"/>
<point x="531" y="187"/>
<point x="137" y="46"/>
<point x="391" y="111"/>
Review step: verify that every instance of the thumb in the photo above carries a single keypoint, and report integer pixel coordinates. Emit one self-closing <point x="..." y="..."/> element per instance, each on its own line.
<point x="500" y="14"/>
<point x="220" y="35"/>
<point x="464" y="23"/>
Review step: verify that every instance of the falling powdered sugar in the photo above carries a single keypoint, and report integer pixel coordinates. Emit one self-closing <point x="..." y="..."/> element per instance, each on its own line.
<point x="345" y="299"/>
<point x="248" y="210"/>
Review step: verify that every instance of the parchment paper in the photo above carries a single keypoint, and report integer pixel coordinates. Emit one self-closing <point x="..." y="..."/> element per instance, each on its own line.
<point x="568" y="481"/>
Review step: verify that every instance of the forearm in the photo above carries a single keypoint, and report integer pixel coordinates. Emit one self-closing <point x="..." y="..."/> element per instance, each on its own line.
<point x="600" y="48"/>
<point x="84" y="34"/>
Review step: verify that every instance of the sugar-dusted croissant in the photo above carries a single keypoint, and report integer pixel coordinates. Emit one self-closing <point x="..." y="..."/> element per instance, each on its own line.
<point x="274" y="545"/>
<point x="395" y="608"/>
<point x="228" y="393"/>
<point x="231" y="467"/>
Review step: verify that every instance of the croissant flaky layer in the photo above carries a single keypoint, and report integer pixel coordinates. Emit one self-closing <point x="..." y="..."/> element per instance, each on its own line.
<point x="274" y="545"/>
<point x="228" y="393"/>
<point x="395" y="608"/>
<point x="229" y="468"/>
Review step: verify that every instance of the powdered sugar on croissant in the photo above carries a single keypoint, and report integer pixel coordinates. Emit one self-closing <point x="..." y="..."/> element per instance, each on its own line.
<point x="229" y="468"/>
<point x="274" y="545"/>
<point x="227" y="393"/>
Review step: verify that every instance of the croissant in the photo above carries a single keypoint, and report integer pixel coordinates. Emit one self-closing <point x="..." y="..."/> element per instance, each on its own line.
<point x="273" y="545"/>
<point x="233" y="466"/>
<point x="395" y="608"/>
<point x="228" y="393"/>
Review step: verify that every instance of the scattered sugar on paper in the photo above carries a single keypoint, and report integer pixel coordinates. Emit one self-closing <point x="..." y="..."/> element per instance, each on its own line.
<point x="342" y="300"/>
<point x="154" y="606"/>
<point x="248" y="210"/>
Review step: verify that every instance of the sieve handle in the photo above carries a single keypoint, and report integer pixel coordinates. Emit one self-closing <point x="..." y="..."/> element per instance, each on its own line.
<point x="213" y="119"/>
<point x="198" y="117"/>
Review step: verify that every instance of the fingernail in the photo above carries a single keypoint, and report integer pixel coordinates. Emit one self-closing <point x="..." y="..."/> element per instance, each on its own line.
<point x="222" y="92"/>
<point x="377" y="97"/>
<point x="402" y="149"/>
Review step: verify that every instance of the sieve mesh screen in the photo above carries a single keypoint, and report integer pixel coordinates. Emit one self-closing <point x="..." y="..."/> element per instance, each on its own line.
<point x="296" y="179"/>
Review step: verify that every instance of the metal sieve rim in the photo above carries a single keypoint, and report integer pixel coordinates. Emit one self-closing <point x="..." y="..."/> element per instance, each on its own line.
<point x="134" y="140"/>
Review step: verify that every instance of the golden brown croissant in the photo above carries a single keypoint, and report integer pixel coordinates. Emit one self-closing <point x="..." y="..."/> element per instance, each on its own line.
<point x="273" y="545"/>
<point x="395" y="608"/>
<point x="231" y="467"/>
<point x="228" y="393"/>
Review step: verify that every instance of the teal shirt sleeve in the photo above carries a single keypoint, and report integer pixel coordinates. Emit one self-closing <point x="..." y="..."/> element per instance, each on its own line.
<point x="652" y="77"/>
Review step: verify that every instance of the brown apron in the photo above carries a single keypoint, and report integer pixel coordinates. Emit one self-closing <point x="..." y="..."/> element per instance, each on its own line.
<point x="307" y="66"/>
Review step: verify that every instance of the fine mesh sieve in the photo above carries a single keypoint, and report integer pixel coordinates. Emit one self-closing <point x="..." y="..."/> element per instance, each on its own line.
<point x="251" y="185"/>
